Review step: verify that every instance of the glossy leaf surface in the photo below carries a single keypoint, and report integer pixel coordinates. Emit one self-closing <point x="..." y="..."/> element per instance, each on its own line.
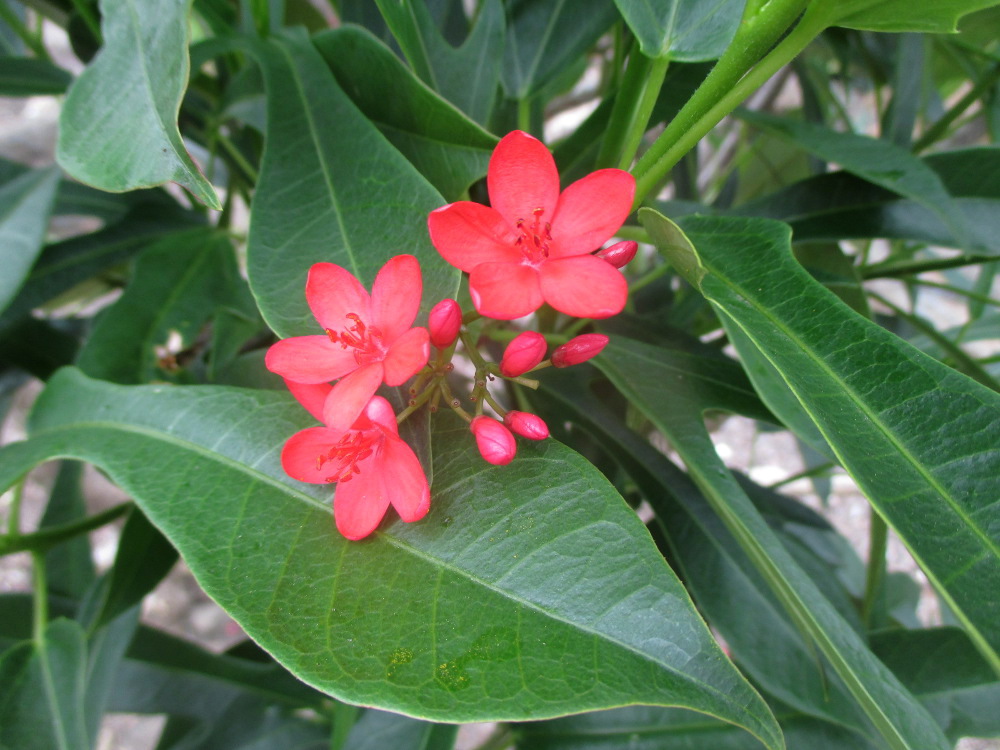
<point x="920" y="439"/>
<point x="391" y="621"/>
<point x="939" y="16"/>
<point x="142" y="69"/>
<point x="685" y="30"/>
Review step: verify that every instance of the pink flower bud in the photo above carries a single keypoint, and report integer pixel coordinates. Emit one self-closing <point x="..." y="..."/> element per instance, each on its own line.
<point x="444" y="323"/>
<point x="527" y="425"/>
<point x="495" y="442"/>
<point x="619" y="254"/>
<point x="523" y="354"/>
<point x="579" y="349"/>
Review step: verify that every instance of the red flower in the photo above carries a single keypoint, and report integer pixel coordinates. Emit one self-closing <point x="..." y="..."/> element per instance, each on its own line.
<point x="534" y="244"/>
<point x="444" y="323"/>
<point x="367" y="341"/>
<point x="579" y="349"/>
<point x="495" y="442"/>
<point x="526" y="425"/>
<point x="370" y="463"/>
<point x="523" y="353"/>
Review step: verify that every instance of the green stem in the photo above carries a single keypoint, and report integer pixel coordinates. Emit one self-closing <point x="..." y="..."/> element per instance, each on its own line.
<point x="984" y="298"/>
<point x="873" y="605"/>
<point x="804" y="474"/>
<point x="735" y="76"/>
<point x="632" y="108"/>
<point x="940" y="127"/>
<point x="524" y="115"/>
<point x="41" y="589"/>
<point x="32" y="41"/>
<point x="344" y="718"/>
<point x="43" y="540"/>
<point x="14" y="517"/>
<point x="896" y="270"/>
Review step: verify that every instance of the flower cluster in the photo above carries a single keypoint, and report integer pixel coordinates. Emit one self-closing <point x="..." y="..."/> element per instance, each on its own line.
<point x="533" y="245"/>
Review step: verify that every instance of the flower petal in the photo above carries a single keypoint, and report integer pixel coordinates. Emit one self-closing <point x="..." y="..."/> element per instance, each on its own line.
<point x="467" y="234"/>
<point x="379" y="411"/>
<point x="360" y="503"/>
<point x="311" y="396"/>
<point x="299" y="457"/>
<point x="309" y="359"/>
<point x="522" y="176"/>
<point x="505" y="291"/>
<point x="583" y="286"/>
<point x="405" y="481"/>
<point x="590" y="211"/>
<point x="332" y="292"/>
<point x="349" y="397"/>
<point x="406" y="356"/>
<point x="396" y="296"/>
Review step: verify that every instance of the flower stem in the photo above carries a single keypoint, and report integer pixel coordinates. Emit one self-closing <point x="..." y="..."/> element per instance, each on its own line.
<point x="735" y="76"/>
<point x="43" y="540"/>
<point x="632" y="108"/>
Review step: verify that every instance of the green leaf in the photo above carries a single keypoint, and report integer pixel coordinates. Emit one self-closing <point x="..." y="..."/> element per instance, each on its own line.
<point x="448" y="619"/>
<point x="377" y="730"/>
<point x="42" y="704"/>
<point x="879" y="162"/>
<point x="937" y="17"/>
<point x="687" y="30"/>
<point x="178" y="285"/>
<point x="544" y="37"/>
<point x="25" y="76"/>
<point x="446" y="147"/>
<point x="69" y="569"/>
<point x="918" y="438"/>
<point x="25" y="205"/>
<point x="331" y="189"/>
<point x="118" y="128"/>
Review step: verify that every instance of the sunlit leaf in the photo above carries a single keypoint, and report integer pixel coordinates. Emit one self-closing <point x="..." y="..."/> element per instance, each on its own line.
<point x="688" y="30"/>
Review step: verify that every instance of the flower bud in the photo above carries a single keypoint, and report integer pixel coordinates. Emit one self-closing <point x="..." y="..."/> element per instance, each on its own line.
<point x="619" y="254"/>
<point x="444" y="323"/>
<point x="495" y="442"/>
<point x="579" y="349"/>
<point x="526" y="425"/>
<point x="523" y="354"/>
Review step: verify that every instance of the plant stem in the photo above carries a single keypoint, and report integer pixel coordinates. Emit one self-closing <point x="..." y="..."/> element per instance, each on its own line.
<point x="940" y="127"/>
<point x="896" y="270"/>
<point x="344" y="717"/>
<point x="43" y="540"/>
<point x="41" y="614"/>
<point x="32" y="41"/>
<point x="873" y="605"/>
<point x="14" y="517"/>
<point x="735" y="76"/>
<point x="632" y="108"/>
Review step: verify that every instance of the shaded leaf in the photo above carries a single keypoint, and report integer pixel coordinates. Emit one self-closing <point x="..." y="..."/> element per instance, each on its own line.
<point x="25" y="76"/>
<point x="687" y="30"/>
<point x="452" y="618"/>
<point x="118" y="128"/>
<point x="69" y="569"/>
<point x="376" y="730"/>
<point x="25" y="204"/>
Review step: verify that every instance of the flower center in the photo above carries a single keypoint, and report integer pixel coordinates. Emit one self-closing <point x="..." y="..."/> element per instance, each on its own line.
<point x="534" y="236"/>
<point x="366" y="342"/>
<point x="354" y="447"/>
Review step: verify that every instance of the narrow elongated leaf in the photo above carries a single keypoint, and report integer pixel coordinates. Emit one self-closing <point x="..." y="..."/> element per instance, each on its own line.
<point x="920" y="439"/>
<point x="687" y="30"/>
<point x="449" y="150"/>
<point x="937" y="17"/>
<point x="332" y="188"/>
<point x="25" y="204"/>
<point x="69" y="569"/>
<point x="481" y="611"/>
<point x="118" y="128"/>
<point x="25" y="76"/>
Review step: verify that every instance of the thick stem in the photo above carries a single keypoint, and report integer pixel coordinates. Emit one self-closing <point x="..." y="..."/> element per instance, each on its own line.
<point x="873" y="605"/>
<point x="43" y="540"/>
<point x="633" y="106"/>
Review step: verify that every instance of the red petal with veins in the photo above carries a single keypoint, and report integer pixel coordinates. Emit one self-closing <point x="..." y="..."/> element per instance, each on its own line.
<point x="505" y="291"/>
<point x="360" y="503"/>
<point x="379" y="411"/>
<point x="522" y="176"/>
<point x="349" y="397"/>
<point x="311" y="396"/>
<point x="300" y="454"/>
<point x="332" y="293"/>
<point x="396" y="297"/>
<point x="467" y="234"/>
<point x="405" y="357"/>
<point x="590" y="211"/>
<point x="405" y="481"/>
<point x="309" y="359"/>
<point x="583" y="286"/>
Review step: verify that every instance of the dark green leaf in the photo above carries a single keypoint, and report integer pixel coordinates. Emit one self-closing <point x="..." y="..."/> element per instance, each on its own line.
<point x="446" y="147"/>
<point x="24" y="76"/>
<point x="450" y="618"/>
<point x="118" y="128"/>
<point x="25" y="204"/>
<point x="920" y="440"/>
<point x="937" y="17"/>
<point x="69" y="569"/>
<point x="331" y="189"/>
<point x="688" y="30"/>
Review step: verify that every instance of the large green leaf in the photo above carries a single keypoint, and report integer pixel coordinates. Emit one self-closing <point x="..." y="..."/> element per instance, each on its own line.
<point x="118" y="128"/>
<point x="688" y="30"/>
<point x="25" y="204"/>
<point x="935" y="17"/>
<point x="920" y="439"/>
<point x="332" y="188"/>
<point x="484" y="610"/>
<point x="446" y="147"/>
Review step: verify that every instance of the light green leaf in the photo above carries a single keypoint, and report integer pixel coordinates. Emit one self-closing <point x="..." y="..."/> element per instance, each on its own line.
<point x="25" y="204"/>
<point x="331" y="189"/>
<point x="118" y="128"/>
<point x="685" y="30"/>
<point x="935" y="16"/>
<point x="919" y="439"/>
<point x="517" y="597"/>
